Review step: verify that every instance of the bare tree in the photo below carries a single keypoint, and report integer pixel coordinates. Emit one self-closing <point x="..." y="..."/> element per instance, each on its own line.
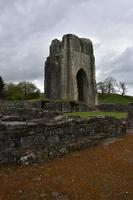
<point x="123" y="88"/>
<point x="110" y="84"/>
<point x="101" y="87"/>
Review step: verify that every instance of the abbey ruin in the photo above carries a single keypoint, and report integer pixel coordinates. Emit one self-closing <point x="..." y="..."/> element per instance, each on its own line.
<point x="30" y="132"/>
<point x="70" y="70"/>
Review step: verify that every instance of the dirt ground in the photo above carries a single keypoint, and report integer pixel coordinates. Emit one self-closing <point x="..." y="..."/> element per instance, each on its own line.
<point x="104" y="172"/>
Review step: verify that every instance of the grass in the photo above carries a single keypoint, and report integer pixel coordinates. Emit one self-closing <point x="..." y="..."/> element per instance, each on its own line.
<point x="102" y="99"/>
<point x="114" y="98"/>
<point x="118" y="115"/>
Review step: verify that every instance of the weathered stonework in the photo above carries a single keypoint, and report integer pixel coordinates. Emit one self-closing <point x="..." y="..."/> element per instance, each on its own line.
<point x="30" y="134"/>
<point x="130" y="119"/>
<point x="110" y="107"/>
<point x="70" y="70"/>
<point x="31" y="141"/>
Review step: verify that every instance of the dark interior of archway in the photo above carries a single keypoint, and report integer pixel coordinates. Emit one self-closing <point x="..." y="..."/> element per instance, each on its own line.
<point x="81" y="78"/>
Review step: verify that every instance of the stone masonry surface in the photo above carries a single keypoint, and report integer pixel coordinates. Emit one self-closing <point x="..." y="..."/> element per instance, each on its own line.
<point x="70" y="70"/>
<point x="38" y="140"/>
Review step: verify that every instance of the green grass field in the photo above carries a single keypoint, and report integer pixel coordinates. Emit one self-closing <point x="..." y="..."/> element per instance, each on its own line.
<point x="114" y="98"/>
<point x="105" y="98"/>
<point x="118" y="115"/>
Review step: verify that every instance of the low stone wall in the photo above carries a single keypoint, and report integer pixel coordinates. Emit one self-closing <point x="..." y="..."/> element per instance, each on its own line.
<point x="130" y="119"/>
<point x="37" y="140"/>
<point x="64" y="106"/>
<point x="23" y="111"/>
<point x="115" y="107"/>
<point x="18" y="107"/>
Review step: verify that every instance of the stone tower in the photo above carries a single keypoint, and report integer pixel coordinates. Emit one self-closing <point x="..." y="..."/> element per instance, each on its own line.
<point x="70" y="70"/>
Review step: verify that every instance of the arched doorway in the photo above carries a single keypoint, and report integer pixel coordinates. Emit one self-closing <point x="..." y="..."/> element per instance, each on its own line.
<point x="81" y="85"/>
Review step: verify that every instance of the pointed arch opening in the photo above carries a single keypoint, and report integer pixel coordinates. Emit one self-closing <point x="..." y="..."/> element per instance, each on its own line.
<point x="81" y="85"/>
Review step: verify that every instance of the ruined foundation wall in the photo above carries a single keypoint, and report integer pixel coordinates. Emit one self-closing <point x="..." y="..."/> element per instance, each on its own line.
<point x="37" y="140"/>
<point x="115" y="107"/>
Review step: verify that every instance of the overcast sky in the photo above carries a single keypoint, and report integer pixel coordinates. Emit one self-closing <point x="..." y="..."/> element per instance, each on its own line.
<point x="28" y="26"/>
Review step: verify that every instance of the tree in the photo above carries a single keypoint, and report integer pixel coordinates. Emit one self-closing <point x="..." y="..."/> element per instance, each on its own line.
<point x="13" y="92"/>
<point x="110" y="84"/>
<point x="101" y="87"/>
<point x="28" y="90"/>
<point x="123" y="88"/>
<point x="107" y="86"/>
<point x="2" y="85"/>
<point x="22" y="90"/>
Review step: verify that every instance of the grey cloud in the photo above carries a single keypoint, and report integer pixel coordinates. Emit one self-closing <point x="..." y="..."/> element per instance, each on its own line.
<point x="19" y="37"/>
<point x="120" y="66"/>
<point x="28" y="26"/>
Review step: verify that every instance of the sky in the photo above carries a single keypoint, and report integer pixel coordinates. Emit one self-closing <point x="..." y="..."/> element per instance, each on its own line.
<point x="27" y="28"/>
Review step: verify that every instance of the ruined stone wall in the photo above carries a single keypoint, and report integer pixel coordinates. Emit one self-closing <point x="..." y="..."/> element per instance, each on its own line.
<point x="130" y="119"/>
<point x="36" y="108"/>
<point x="67" y="59"/>
<point x="36" y="140"/>
<point x="25" y="110"/>
<point x="115" y="107"/>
